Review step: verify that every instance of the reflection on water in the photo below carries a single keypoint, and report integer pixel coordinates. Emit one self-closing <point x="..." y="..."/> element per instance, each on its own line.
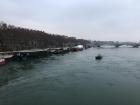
<point x="13" y="70"/>
<point x="74" y="79"/>
<point x="16" y="69"/>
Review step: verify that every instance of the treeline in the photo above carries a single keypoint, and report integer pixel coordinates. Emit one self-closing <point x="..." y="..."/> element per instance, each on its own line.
<point x="17" y="38"/>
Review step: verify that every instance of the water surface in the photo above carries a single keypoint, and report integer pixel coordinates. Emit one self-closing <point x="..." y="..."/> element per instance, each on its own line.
<point x="74" y="79"/>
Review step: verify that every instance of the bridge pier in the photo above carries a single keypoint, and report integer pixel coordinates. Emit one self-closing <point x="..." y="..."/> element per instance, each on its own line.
<point x="98" y="46"/>
<point x="117" y="46"/>
<point x="135" y="46"/>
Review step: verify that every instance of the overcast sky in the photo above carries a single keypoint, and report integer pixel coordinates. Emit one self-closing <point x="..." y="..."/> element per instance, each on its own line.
<point x="88" y="19"/>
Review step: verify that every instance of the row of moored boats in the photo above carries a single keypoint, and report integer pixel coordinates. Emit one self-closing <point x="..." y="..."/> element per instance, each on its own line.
<point x="6" y="56"/>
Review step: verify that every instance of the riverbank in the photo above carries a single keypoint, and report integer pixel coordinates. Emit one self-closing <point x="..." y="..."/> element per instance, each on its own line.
<point x="36" y="53"/>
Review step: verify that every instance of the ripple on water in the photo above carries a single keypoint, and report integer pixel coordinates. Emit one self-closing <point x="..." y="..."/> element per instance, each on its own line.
<point x="74" y="79"/>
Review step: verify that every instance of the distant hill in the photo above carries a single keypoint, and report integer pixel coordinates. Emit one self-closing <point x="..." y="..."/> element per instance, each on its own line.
<point x="17" y="38"/>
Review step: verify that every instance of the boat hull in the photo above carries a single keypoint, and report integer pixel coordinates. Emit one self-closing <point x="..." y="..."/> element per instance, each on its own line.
<point x="2" y="62"/>
<point x="98" y="57"/>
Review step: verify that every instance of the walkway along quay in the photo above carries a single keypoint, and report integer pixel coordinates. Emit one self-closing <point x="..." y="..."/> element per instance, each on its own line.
<point x="36" y="53"/>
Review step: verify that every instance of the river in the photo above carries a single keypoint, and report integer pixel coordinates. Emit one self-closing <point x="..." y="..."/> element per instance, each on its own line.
<point x="74" y="79"/>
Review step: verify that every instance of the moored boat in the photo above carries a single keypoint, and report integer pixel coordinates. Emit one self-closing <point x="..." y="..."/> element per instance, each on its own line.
<point x="77" y="48"/>
<point x="8" y="57"/>
<point x="4" y="58"/>
<point x="2" y="61"/>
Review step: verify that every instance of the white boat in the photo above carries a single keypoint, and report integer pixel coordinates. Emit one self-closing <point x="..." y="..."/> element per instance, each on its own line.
<point x="78" y="48"/>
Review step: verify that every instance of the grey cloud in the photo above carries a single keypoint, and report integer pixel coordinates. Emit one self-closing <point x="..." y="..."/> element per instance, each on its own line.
<point x="91" y="19"/>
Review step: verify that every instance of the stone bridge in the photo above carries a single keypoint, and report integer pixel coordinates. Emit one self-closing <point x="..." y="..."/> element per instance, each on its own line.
<point x="115" y="44"/>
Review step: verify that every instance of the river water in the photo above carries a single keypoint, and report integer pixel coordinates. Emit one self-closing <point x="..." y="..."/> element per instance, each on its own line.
<point x="74" y="79"/>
